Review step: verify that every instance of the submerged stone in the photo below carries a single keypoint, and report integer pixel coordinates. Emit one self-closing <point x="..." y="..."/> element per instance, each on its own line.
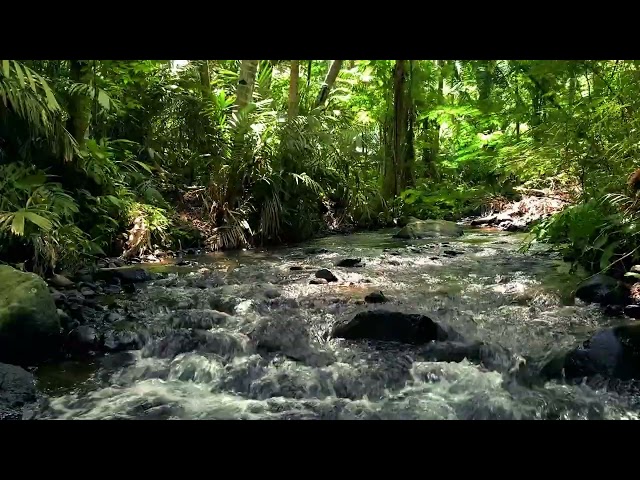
<point x="603" y="290"/>
<point x="391" y="326"/>
<point x="611" y="353"/>
<point x="429" y="229"/>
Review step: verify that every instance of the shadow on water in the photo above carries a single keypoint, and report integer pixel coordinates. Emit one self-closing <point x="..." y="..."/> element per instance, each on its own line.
<point x="244" y="335"/>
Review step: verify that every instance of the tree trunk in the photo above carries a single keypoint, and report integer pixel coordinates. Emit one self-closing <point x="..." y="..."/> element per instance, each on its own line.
<point x="432" y="129"/>
<point x="329" y="80"/>
<point x="79" y="103"/>
<point x="399" y="150"/>
<point x="484" y="82"/>
<point x="293" y="89"/>
<point x="246" y="81"/>
<point x="205" y="79"/>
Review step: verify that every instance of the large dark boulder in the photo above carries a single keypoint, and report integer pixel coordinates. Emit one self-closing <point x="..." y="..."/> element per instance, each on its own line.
<point x="611" y="353"/>
<point x="17" y="388"/>
<point x="391" y="326"/>
<point x="429" y="229"/>
<point x="124" y="275"/>
<point x="603" y="290"/>
<point x="29" y="321"/>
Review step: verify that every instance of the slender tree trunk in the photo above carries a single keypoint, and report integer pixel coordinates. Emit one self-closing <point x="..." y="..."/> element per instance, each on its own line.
<point x="246" y="82"/>
<point x="329" y="80"/>
<point x="484" y="81"/>
<point x="432" y="129"/>
<point x="399" y="149"/>
<point x="79" y="104"/>
<point x="293" y="89"/>
<point x="205" y="79"/>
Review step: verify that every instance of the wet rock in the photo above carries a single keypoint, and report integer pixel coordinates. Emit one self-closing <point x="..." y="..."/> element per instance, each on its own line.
<point x="58" y="297"/>
<point x="87" y="292"/>
<point x="112" y="265"/>
<point x="116" y="361"/>
<point x="632" y="311"/>
<point x="74" y="296"/>
<point x="17" y="389"/>
<point x="126" y="276"/>
<point x="349" y="262"/>
<point x="635" y="269"/>
<point x="326" y="275"/>
<point x="295" y="268"/>
<point x="315" y="250"/>
<point x="391" y="252"/>
<point x="130" y="288"/>
<point x="221" y="343"/>
<point x="29" y="322"/>
<point x="491" y="357"/>
<point x="199" y="319"/>
<point x="613" y="310"/>
<point x="121" y="340"/>
<point x="395" y="263"/>
<point x="429" y="229"/>
<point x="185" y="263"/>
<point x="375" y="297"/>
<point x="404" y="221"/>
<point x="603" y="290"/>
<point x="66" y="321"/>
<point x="391" y="326"/>
<point x="272" y="293"/>
<point x="318" y="281"/>
<point x="452" y="253"/>
<point x="113" y="317"/>
<point x="610" y="353"/>
<point x="61" y="281"/>
<point x="84" y="338"/>
<point x="365" y="280"/>
<point x="290" y="337"/>
<point x="112" y="289"/>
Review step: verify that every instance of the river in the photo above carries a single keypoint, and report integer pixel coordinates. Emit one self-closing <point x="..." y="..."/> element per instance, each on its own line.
<point x="243" y="336"/>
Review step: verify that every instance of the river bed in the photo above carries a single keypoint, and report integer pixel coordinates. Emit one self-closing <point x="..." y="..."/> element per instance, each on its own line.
<point x="242" y="335"/>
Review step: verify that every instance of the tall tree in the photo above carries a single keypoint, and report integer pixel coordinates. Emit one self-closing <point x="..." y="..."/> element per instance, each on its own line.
<point x="293" y="89"/>
<point x="329" y="80"/>
<point x="246" y="82"/>
<point x="431" y="127"/>
<point x="399" y="150"/>
<point x="79" y="108"/>
<point x="205" y="79"/>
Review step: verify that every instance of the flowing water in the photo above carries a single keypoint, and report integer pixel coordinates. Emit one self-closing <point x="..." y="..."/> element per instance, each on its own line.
<point x="247" y="338"/>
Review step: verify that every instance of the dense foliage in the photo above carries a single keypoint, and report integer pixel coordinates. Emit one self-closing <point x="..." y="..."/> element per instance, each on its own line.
<point x="105" y="157"/>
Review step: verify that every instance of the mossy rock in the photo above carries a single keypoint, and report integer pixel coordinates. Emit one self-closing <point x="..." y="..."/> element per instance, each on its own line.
<point x="429" y="229"/>
<point x="29" y="321"/>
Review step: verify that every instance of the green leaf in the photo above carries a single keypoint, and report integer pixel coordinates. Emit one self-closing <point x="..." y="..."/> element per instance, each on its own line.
<point x="31" y="180"/>
<point x="32" y="82"/>
<point x="632" y="274"/>
<point x="18" y="70"/>
<point x="116" y="201"/>
<point x="95" y="248"/>
<point x="42" y="222"/>
<point x="5" y="68"/>
<point x="601" y="241"/>
<point x="605" y="260"/>
<point x="17" y="226"/>
<point x="51" y="98"/>
<point x="144" y="165"/>
<point x="104" y="100"/>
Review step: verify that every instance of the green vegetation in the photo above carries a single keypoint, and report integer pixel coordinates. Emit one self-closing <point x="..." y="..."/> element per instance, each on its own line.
<point x="103" y="157"/>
